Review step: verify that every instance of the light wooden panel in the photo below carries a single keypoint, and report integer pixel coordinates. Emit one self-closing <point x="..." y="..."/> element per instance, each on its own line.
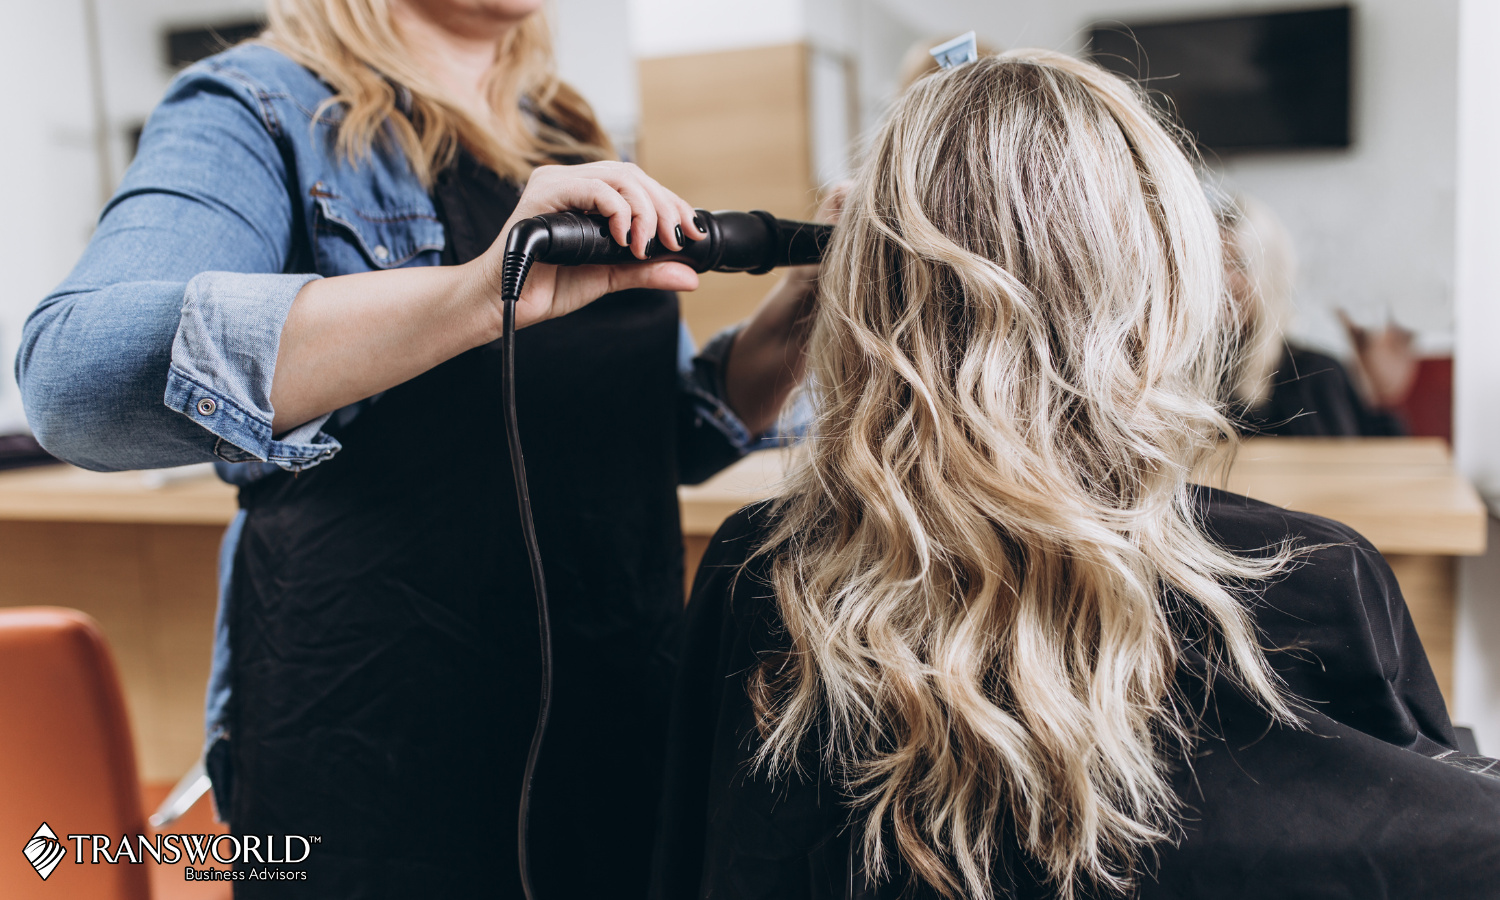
<point x="1346" y="452"/>
<point x="1401" y="493"/>
<point x="153" y="589"/>
<point x="66" y="494"/>
<point x="729" y="131"/>
<point x="1428" y="583"/>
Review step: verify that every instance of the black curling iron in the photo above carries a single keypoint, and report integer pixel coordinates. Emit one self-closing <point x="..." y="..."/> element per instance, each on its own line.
<point x="753" y="242"/>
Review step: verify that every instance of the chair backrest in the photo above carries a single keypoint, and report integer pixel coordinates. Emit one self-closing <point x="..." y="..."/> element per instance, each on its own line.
<point x="66" y="760"/>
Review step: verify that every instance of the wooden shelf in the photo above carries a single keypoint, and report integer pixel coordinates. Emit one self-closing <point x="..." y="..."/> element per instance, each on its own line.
<point x="68" y="494"/>
<point x="1401" y="493"/>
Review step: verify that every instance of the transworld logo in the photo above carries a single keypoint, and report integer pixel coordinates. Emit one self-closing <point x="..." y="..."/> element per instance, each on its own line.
<point x="44" y="851"/>
<point x="252" y="856"/>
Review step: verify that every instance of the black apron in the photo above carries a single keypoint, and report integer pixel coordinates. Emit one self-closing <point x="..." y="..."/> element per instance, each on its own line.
<point x="384" y="629"/>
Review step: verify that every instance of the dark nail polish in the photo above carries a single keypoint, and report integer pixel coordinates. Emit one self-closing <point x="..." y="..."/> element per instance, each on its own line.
<point x="678" y="232"/>
<point x="698" y="223"/>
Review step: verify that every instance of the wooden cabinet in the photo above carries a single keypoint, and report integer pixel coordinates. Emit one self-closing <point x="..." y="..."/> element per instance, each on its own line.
<point x="730" y="130"/>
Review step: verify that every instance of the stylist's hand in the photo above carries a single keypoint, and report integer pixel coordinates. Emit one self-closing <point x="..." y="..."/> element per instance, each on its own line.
<point x="1385" y="359"/>
<point x="638" y="208"/>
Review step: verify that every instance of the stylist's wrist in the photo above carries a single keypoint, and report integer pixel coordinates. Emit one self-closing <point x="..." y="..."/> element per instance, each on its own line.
<point x="478" y="283"/>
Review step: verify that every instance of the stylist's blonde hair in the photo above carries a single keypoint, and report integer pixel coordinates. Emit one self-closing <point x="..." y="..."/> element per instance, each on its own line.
<point x="353" y="45"/>
<point x="991" y="559"/>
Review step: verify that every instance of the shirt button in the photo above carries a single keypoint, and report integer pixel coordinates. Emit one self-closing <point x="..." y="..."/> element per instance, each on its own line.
<point x="380" y="252"/>
<point x="206" y="406"/>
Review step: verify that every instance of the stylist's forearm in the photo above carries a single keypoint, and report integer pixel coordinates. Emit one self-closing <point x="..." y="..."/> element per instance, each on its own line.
<point x="767" y="360"/>
<point x="353" y="336"/>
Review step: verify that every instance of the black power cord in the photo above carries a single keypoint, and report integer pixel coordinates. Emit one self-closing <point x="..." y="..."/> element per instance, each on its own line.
<point x="513" y="277"/>
<point x="736" y="242"/>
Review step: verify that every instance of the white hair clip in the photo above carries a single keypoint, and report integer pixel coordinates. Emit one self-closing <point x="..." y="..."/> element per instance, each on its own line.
<point x="960" y="50"/>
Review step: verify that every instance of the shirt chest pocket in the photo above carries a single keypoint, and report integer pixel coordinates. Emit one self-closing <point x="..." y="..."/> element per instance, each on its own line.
<point x="347" y="239"/>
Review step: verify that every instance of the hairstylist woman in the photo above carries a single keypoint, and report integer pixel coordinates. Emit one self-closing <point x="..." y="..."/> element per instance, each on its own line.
<point x="301" y="268"/>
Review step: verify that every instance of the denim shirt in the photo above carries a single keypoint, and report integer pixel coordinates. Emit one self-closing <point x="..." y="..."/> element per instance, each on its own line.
<point x="159" y="348"/>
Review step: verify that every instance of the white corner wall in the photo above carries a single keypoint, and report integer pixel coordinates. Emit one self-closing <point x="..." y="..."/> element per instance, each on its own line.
<point x="682" y="27"/>
<point x="593" y="59"/>
<point x="50" y="190"/>
<point x="1477" y="364"/>
<point x="50" y="187"/>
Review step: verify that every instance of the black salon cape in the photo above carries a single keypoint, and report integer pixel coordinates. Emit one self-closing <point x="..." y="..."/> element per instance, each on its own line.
<point x="1353" y="807"/>
<point x="384" y="632"/>
<point x="1312" y="396"/>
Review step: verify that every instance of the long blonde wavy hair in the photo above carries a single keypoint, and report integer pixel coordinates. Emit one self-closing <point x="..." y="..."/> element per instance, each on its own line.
<point x="990" y="559"/>
<point x="353" y="45"/>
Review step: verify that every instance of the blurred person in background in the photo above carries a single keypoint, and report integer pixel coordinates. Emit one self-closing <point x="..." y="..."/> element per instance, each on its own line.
<point x="298" y="277"/>
<point x="1279" y="387"/>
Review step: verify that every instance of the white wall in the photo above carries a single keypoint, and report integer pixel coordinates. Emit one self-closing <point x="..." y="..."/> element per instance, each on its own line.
<point x="1477" y="365"/>
<point x="50" y="188"/>
<point x="1374" y="224"/>
<point x="681" y="27"/>
<point x="51" y="191"/>
<point x="598" y="64"/>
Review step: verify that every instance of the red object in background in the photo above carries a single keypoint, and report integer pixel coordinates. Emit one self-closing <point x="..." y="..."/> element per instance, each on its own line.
<point x="67" y="759"/>
<point x="1428" y="410"/>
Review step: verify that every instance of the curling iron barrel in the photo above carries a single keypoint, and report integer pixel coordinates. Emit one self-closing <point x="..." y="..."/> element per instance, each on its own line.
<point x="753" y="242"/>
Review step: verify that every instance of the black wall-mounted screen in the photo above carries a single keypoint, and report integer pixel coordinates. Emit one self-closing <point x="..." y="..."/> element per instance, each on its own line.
<point x="185" y="46"/>
<point x="1250" y="82"/>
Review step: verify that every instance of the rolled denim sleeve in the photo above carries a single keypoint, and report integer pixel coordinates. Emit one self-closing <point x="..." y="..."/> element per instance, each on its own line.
<point x="223" y="362"/>
<point x="159" y="348"/>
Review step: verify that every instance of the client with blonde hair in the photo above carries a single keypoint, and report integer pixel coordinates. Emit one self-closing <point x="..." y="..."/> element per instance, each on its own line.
<point x="990" y="640"/>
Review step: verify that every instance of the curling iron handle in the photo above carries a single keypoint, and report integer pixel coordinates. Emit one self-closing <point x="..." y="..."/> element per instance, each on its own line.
<point x="736" y="242"/>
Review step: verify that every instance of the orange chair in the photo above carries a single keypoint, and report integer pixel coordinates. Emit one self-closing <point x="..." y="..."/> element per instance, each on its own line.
<point x="66" y="760"/>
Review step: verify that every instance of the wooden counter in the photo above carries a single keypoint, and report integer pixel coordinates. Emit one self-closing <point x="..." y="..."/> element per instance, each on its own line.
<point x="138" y="551"/>
<point x="140" y="559"/>
<point x="1403" y="494"/>
<point x="191" y="496"/>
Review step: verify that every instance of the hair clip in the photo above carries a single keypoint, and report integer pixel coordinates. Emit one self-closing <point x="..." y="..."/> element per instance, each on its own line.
<point x="960" y="50"/>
